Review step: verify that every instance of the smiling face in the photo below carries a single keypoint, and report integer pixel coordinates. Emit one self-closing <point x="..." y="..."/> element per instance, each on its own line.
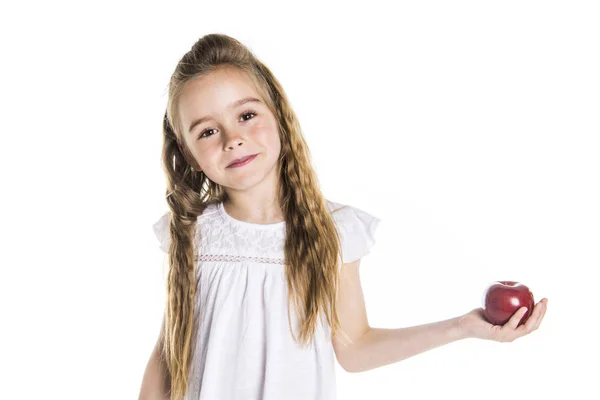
<point x="222" y="131"/>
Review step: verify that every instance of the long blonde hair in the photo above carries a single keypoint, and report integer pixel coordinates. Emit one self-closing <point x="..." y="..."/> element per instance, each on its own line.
<point x="312" y="245"/>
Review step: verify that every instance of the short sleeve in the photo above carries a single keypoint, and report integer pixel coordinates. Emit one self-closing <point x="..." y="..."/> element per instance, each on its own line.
<point x="161" y="230"/>
<point x="356" y="229"/>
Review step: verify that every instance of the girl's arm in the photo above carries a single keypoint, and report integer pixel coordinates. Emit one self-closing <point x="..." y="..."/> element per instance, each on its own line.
<point x="156" y="384"/>
<point x="372" y="348"/>
<point x="380" y="347"/>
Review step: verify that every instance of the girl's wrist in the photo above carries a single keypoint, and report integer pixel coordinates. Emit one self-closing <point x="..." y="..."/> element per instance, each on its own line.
<point x="460" y="331"/>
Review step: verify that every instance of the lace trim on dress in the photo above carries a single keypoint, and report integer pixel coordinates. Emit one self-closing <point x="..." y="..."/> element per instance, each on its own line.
<point x="225" y="257"/>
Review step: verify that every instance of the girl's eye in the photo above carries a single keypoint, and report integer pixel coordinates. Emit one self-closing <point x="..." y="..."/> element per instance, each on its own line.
<point x="210" y="129"/>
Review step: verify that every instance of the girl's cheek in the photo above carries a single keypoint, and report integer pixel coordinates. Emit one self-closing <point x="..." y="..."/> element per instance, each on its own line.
<point x="264" y="130"/>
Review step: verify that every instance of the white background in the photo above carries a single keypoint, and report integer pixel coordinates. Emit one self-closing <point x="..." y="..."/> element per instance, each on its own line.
<point x="470" y="128"/>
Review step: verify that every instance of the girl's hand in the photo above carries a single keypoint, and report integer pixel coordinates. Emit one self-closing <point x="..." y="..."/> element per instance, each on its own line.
<point x="474" y="325"/>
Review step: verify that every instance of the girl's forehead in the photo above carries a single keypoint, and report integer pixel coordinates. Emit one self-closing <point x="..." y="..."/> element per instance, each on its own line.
<point x="218" y="87"/>
<point x="224" y="76"/>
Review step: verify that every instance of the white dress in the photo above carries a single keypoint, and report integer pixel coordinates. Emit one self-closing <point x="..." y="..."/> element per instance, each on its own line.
<point x="245" y="348"/>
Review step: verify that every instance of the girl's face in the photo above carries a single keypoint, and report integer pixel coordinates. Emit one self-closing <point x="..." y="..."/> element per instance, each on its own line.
<point x="218" y="131"/>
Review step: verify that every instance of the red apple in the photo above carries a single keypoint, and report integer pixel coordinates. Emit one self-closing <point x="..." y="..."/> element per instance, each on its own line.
<point x="502" y="298"/>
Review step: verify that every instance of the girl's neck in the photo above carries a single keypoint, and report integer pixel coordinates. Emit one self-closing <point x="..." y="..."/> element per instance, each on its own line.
<point x="255" y="212"/>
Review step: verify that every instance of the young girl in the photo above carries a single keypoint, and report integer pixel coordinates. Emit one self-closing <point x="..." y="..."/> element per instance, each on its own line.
<point x="263" y="292"/>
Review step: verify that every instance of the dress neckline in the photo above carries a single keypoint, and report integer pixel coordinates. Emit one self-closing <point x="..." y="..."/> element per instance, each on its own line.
<point x="245" y="224"/>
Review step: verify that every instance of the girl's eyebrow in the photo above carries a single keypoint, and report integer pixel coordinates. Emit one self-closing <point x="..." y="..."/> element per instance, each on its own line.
<point x="236" y="103"/>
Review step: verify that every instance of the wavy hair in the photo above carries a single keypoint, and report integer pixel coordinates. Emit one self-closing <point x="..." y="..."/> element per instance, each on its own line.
<point x="312" y="245"/>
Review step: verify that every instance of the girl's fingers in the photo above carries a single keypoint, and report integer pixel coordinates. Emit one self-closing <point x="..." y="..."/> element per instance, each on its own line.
<point x="512" y="323"/>
<point x="511" y="329"/>
<point x="532" y="321"/>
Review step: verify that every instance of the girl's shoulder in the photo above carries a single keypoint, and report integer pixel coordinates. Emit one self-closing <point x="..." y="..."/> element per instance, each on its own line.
<point x="356" y="229"/>
<point x="346" y="214"/>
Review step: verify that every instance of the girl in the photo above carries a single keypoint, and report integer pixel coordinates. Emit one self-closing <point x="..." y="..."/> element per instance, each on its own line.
<point x="249" y="235"/>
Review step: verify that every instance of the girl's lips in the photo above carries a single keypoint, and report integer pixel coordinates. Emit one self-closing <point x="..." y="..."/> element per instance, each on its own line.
<point x="243" y="162"/>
